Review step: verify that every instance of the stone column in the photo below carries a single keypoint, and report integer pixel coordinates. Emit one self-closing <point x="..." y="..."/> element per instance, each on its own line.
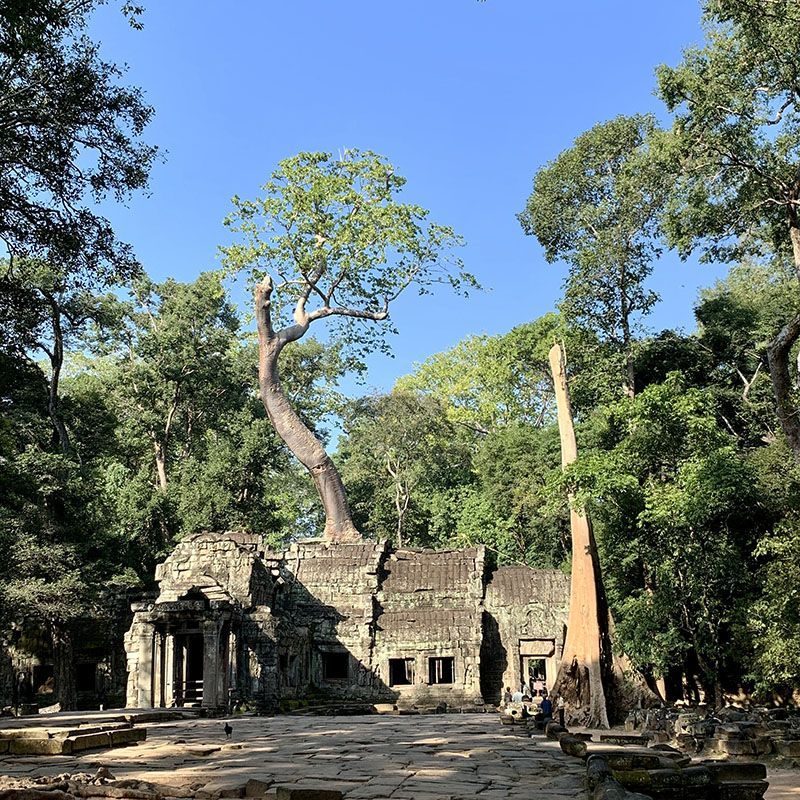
<point x="144" y="678"/>
<point x="211" y="665"/>
<point x="169" y="670"/>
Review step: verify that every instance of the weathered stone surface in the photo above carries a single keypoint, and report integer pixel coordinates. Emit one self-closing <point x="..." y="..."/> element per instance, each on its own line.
<point x="256" y="788"/>
<point x="39" y="747"/>
<point x="751" y="790"/>
<point x="33" y="794"/>
<point x="735" y="771"/>
<point x="572" y="746"/>
<point x="128" y="736"/>
<point x="788" y="748"/>
<point x="615" y="738"/>
<point x="90" y="741"/>
<point x="359" y="621"/>
<point x="293" y="793"/>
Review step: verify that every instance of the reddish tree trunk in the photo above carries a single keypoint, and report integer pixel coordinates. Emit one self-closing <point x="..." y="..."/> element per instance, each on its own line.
<point x="586" y="663"/>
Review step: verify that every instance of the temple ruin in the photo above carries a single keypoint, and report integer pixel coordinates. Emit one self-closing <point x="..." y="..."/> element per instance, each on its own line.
<point x="234" y="623"/>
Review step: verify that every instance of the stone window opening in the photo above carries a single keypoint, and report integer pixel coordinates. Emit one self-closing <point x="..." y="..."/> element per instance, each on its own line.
<point x="335" y="666"/>
<point x="441" y="670"/>
<point x="401" y="671"/>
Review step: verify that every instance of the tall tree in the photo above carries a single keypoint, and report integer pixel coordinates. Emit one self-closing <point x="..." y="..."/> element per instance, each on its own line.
<point x="735" y="146"/>
<point x="586" y="670"/>
<point x="597" y="207"/>
<point x="71" y="136"/>
<point x="329" y="241"/>
<point x="399" y="452"/>
<point x="486" y="382"/>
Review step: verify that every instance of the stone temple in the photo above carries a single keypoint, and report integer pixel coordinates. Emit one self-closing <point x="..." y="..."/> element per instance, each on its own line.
<point x="356" y="622"/>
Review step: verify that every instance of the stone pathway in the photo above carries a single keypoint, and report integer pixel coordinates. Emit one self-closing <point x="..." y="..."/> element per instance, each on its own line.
<point x="403" y="758"/>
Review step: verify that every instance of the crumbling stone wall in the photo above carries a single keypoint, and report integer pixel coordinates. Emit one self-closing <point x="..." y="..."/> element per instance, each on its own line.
<point x="431" y="605"/>
<point x="526" y="609"/>
<point x="326" y="621"/>
<point x="333" y="621"/>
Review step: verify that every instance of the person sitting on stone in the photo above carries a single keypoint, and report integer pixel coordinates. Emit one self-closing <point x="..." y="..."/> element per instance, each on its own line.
<point x="546" y="708"/>
<point x="507" y="696"/>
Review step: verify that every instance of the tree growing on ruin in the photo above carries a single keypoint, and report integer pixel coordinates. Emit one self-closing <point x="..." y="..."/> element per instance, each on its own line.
<point x="597" y="206"/>
<point x="586" y="668"/>
<point x="329" y="240"/>
<point x="735" y="146"/>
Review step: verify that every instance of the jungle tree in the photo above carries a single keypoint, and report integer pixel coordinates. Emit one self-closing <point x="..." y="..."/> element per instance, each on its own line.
<point x="329" y="240"/>
<point x="596" y="206"/>
<point x="735" y="145"/>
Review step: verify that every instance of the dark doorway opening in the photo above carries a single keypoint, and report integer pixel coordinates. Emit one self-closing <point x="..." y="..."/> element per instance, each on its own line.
<point x="441" y="670"/>
<point x="401" y="671"/>
<point x="335" y="666"/>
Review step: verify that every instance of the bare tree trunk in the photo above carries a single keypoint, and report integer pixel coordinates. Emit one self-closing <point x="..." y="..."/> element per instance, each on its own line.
<point x="298" y="438"/>
<point x="63" y="667"/>
<point x="586" y="661"/>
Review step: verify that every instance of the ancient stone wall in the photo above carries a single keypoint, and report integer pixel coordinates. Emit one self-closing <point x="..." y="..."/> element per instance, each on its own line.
<point x="347" y="621"/>
<point x="326" y="611"/>
<point x="526" y="617"/>
<point x="428" y="636"/>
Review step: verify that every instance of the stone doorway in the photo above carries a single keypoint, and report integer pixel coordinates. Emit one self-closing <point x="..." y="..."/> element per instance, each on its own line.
<point x="188" y="674"/>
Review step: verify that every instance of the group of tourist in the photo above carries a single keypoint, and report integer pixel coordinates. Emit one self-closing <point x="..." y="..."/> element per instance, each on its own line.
<point x="535" y="702"/>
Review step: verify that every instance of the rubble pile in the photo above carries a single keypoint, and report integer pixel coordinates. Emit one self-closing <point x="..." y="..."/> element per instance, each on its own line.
<point x="620" y="770"/>
<point x="730" y="732"/>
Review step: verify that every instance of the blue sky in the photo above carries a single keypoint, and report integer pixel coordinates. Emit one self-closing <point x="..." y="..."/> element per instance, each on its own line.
<point x="467" y="100"/>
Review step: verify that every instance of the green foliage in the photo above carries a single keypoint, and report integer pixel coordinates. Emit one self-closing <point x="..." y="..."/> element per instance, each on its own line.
<point x="677" y="515"/>
<point x="77" y="142"/>
<point x="337" y="243"/>
<point x="489" y="381"/>
<point x="401" y="455"/>
<point x="735" y="143"/>
<point x="597" y="207"/>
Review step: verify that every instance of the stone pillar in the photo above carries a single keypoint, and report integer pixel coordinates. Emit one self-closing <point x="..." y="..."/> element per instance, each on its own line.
<point x="144" y="678"/>
<point x="233" y="664"/>
<point x="211" y="665"/>
<point x="169" y="670"/>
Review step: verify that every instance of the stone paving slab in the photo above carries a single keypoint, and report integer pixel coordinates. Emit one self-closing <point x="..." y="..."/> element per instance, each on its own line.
<point x="367" y="758"/>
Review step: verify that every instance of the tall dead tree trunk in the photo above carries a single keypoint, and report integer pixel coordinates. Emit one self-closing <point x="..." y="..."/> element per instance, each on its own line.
<point x="586" y="665"/>
<point x="298" y="438"/>
<point x="590" y="677"/>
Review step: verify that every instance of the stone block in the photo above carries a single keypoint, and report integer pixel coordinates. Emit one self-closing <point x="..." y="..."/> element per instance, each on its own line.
<point x="256" y="788"/>
<point x="740" y="747"/>
<point x="24" y="733"/>
<point x="4" y="745"/>
<point x="128" y="736"/>
<point x="34" y="794"/>
<point x="787" y="747"/>
<point x="40" y="747"/>
<point x="741" y="790"/>
<point x="735" y="771"/>
<point x="572" y="746"/>
<point x="620" y="760"/>
<point x="89" y="741"/>
<point x="212" y="791"/>
<point x="299" y="793"/>
<point x="615" y="738"/>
